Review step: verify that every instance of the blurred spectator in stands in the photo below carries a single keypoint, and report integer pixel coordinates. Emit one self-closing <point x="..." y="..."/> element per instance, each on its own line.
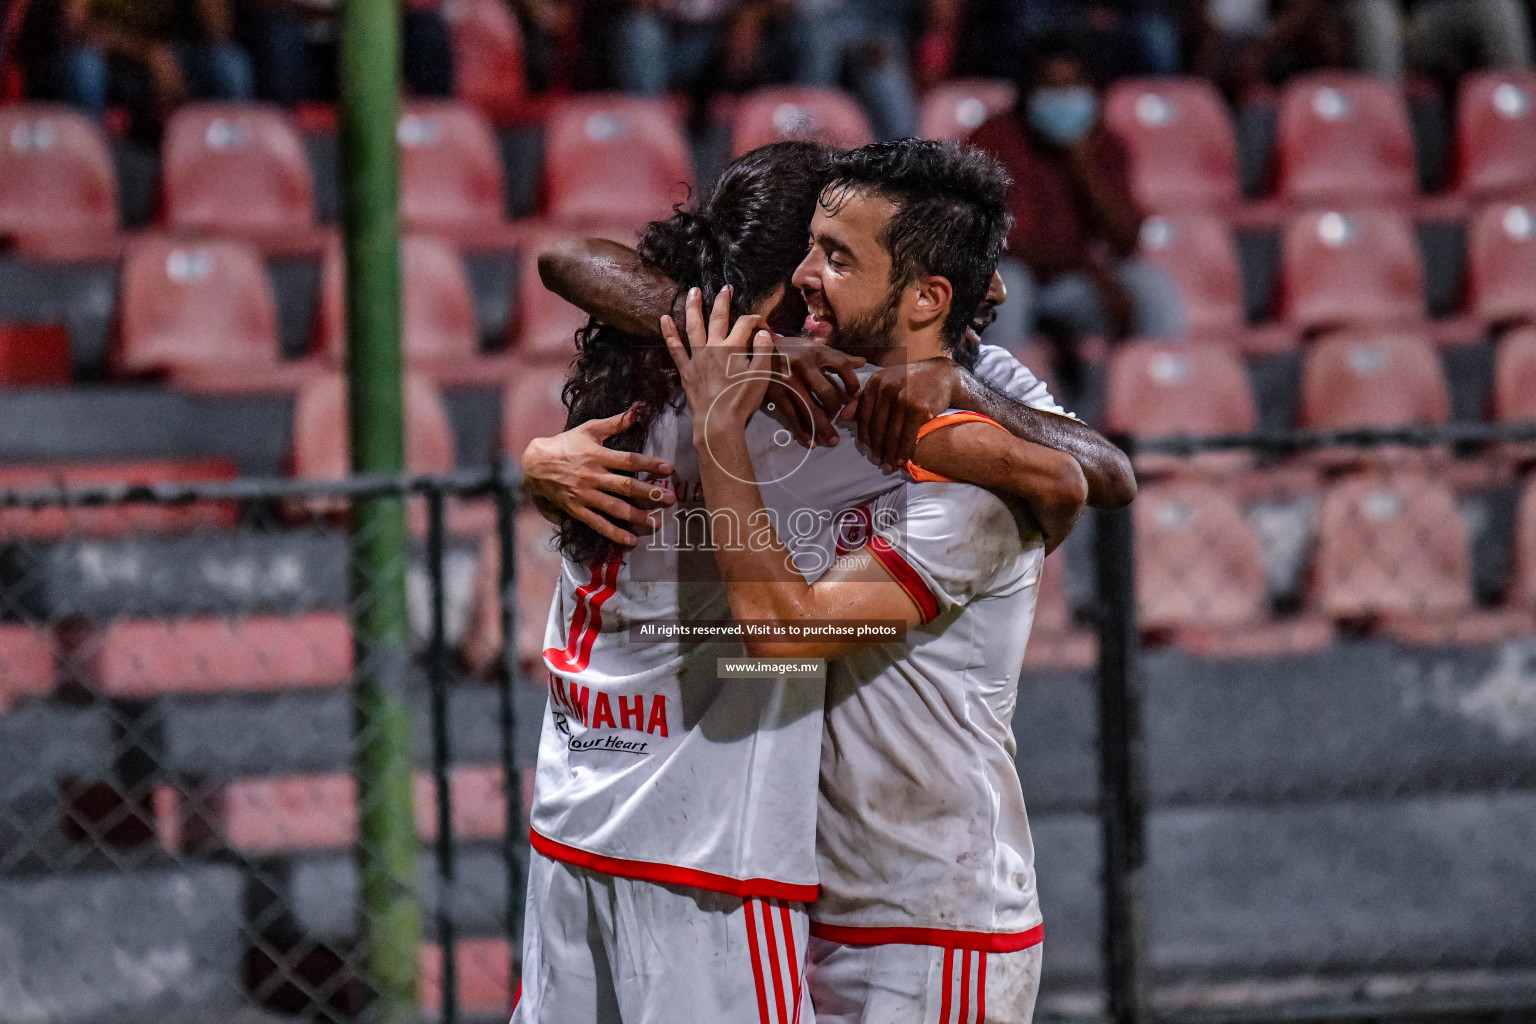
<point x="1249" y="45"/>
<point x="1119" y="37"/>
<point x="280" y="34"/>
<point x="150" y="55"/>
<point x="1444" y="37"/>
<point x="545" y="24"/>
<point x="695" y="46"/>
<point x="1072" y="270"/>
<point x="865" y="44"/>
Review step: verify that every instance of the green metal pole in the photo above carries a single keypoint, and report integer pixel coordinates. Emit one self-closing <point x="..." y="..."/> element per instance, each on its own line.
<point x="391" y="922"/>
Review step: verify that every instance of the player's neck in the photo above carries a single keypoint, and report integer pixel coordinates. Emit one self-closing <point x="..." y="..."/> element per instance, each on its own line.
<point x="911" y="347"/>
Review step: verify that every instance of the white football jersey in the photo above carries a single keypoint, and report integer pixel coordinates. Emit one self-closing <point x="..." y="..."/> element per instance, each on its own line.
<point x="651" y="767"/>
<point x="921" y="833"/>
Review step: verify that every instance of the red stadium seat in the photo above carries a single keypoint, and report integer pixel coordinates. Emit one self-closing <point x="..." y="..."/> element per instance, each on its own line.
<point x="538" y="571"/>
<point x="1496" y="134"/>
<point x="28" y="667"/>
<point x="1344" y="138"/>
<point x="202" y="314"/>
<point x="1501" y="264"/>
<point x="1360" y="267"/>
<point x="34" y="355"/>
<point x="532" y="407"/>
<point x="1522" y="591"/>
<point x="306" y="812"/>
<point x="1200" y="579"/>
<point x="1394" y="552"/>
<point x="1197" y="251"/>
<point x="794" y="112"/>
<point x="451" y="181"/>
<point x="58" y="191"/>
<point x="484" y="980"/>
<point x="115" y="521"/>
<point x="1376" y="378"/>
<point x="320" y="447"/>
<point x="239" y="169"/>
<point x="614" y="159"/>
<point x="1166" y="389"/>
<point x="545" y="325"/>
<point x="488" y="67"/>
<point x="1179" y="134"/>
<point x="1055" y="641"/>
<point x="954" y="109"/>
<point x="1514" y="389"/>
<point x="145" y="659"/>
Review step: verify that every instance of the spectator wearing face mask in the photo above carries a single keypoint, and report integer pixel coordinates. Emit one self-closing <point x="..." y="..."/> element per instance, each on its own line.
<point x="1071" y="270"/>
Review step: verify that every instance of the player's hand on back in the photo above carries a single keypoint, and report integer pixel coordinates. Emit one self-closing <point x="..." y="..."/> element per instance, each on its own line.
<point x="574" y="474"/>
<point x="897" y="400"/>
<point x="809" y="401"/>
<point x="724" y="380"/>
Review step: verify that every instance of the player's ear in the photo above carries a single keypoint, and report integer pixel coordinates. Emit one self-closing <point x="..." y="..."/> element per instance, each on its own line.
<point x="930" y="298"/>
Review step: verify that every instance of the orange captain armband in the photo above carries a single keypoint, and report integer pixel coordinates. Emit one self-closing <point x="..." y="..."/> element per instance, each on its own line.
<point x="948" y="419"/>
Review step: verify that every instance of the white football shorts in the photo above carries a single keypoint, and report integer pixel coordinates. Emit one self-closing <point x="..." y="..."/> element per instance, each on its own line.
<point x="901" y="984"/>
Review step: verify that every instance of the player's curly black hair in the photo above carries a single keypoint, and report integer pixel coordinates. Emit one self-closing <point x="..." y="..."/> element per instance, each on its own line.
<point x="749" y="231"/>
<point x="951" y="217"/>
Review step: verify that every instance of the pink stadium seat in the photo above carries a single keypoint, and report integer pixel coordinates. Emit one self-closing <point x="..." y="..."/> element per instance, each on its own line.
<point x="488" y="67"/>
<point x="110" y="521"/>
<point x="239" y="169"/>
<point x="28" y="667"/>
<point x="1501" y="264"/>
<point x="545" y="325"/>
<point x="440" y="335"/>
<point x="610" y="158"/>
<point x="1514" y="378"/>
<point x="1344" y="138"/>
<point x="1200" y="579"/>
<point x="1179" y="134"/>
<point x="954" y="109"/>
<point x="484" y="977"/>
<point x="58" y="191"/>
<point x="202" y="314"/>
<point x="1496" y="134"/>
<point x="145" y="659"/>
<point x="1357" y="267"/>
<point x="1197" y="251"/>
<point x="1522" y="591"/>
<point x="1375" y="378"/>
<point x="305" y="812"/>
<point x="1055" y="641"/>
<point x="1167" y="389"/>
<point x="793" y="112"/>
<point x="34" y="355"/>
<point x="532" y="407"/>
<point x="451" y="180"/>
<point x="320" y="447"/>
<point x="1394" y="552"/>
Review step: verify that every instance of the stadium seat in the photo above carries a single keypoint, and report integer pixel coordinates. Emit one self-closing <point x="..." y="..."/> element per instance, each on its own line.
<point x="1496" y="135"/>
<point x="952" y="110"/>
<point x="438" y="328"/>
<point x="1344" y="139"/>
<point x="149" y="658"/>
<point x="1514" y="389"/>
<point x="795" y="112"/>
<point x="1359" y="267"/>
<point x="484" y="981"/>
<point x="239" y="170"/>
<point x="1167" y="389"/>
<point x="58" y="190"/>
<point x="451" y="181"/>
<point x="1501" y="264"/>
<point x="309" y="812"/>
<point x="545" y="325"/>
<point x="488" y="67"/>
<point x="1179" y="135"/>
<point x="1372" y="378"/>
<point x="34" y="355"/>
<point x="610" y="158"/>
<point x="1055" y="641"/>
<point x="115" y="521"/>
<point x="532" y="407"/>
<point x="28" y="667"/>
<point x="1393" y="552"/>
<point x="538" y="571"/>
<point x="1200" y="580"/>
<point x="201" y="314"/>
<point x="320" y="447"/>
<point x="1522" y="590"/>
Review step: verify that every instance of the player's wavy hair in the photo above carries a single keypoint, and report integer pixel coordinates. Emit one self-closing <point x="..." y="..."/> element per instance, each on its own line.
<point x="951" y="219"/>
<point x="749" y="232"/>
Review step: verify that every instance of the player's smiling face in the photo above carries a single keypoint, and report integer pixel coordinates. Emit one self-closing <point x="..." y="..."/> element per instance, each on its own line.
<point x="845" y="277"/>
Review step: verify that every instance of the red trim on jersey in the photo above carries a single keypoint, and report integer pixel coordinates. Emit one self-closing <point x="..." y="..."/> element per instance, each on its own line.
<point x="985" y="942"/>
<point x="773" y="958"/>
<point x="791" y="955"/>
<point x="949" y="981"/>
<point x="981" y="990"/>
<point x="906" y="577"/>
<point x="965" y="986"/>
<point x="587" y="617"/>
<point x="670" y="874"/>
<point x="753" y="941"/>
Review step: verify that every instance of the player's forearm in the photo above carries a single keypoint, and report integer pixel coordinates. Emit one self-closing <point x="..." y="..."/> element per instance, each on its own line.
<point x="1111" y="483"/>
<point x="607" y="280"/>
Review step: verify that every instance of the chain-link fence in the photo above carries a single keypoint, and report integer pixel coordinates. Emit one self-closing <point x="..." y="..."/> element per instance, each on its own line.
<point x="179" y="811"/>
<point x="1277" y="731"/>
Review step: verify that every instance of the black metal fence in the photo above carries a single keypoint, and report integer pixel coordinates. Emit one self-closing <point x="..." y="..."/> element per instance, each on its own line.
<point x="1277" y="731"/>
